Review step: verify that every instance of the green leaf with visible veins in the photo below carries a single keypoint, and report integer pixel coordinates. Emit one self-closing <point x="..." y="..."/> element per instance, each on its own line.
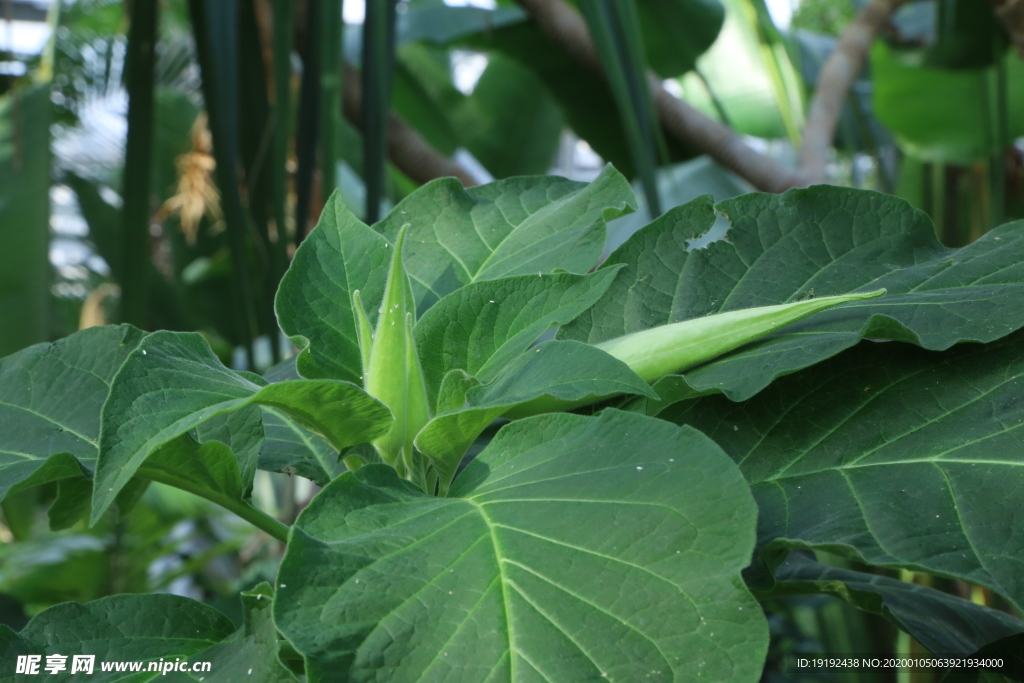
<point x="314" y="301"/>
<point x="289" y="447"/>
<point x="292" y="449"/>
<point x="808" y="243"/>
<point x="50" y="401"/>
<point x="482" y="327"/>
<point x="174" y="383"/>
<point x="143" y="628"/>
<point x="551" y="377"/>
<point x="510" y="227"/>
<point x="251" y="653"/>
<point x="501" y="581"/>
<point x="889" y="454"/>
<point x="941" y="622"/>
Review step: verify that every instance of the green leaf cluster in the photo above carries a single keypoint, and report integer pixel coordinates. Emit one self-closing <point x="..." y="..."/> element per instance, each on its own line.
<point x="504" y="504"/>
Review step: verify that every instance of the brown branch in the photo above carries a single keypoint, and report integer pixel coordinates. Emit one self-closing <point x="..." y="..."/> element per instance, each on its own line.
<point x="407" y="149"/>
<point x="564" y="26"/>
<point x="1011" y="13"/>
<point x="835" y="79"/>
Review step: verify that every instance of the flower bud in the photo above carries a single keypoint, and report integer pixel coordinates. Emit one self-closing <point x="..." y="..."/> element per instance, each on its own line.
<point x="392" y="372"/>
<point x="675" y="347"/>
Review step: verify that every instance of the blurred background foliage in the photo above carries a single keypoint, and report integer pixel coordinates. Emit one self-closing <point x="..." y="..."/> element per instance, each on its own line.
<point x="160" y="160"/>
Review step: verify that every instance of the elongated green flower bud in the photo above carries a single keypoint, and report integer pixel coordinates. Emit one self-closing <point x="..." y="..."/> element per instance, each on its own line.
<point x="656" y="352"/>
<point x="364" y="328"/>
<point x="675" y="347"/>
<point x="417" y="404"/>
<point x="393" y="373"/>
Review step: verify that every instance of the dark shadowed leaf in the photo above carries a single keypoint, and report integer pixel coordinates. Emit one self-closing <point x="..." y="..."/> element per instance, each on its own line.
<point x="943" y="623"/>
<point x="889" y="454"/>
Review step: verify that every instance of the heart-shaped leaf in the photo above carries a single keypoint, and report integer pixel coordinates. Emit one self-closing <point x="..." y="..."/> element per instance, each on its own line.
<point x="501" y="581"/>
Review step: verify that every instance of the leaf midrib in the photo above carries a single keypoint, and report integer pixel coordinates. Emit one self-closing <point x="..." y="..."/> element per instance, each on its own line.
<point x="65" y="428"/>
<point x="503" y="577"/>
<point x="917" y="427"/>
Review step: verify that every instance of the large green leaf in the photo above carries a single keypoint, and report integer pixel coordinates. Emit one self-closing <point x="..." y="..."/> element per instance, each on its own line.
<point x="582" y="94"/>
<point x="677" y="32"/>
<point x="509" y="122"/>
<point x="46" y="436"/>
<point x="510" y="227"/>
<point x="912" y="100"/>
<point x="556" y="375"/>
<point x="943" y="623"/>
<point x="808" y="243"/>
<point x="424" y="94"/>
<point x="889" y="454"/>
<point x="149" y="628"/>
<point x="251" y="652"/>
<point x="483" y="326"/>
<point x="437" y="21"/>
<point x="314" y="302"/>
<point x="746" y="78"/>
<point x="503" y="582"/>
<point x="173" y="383"/>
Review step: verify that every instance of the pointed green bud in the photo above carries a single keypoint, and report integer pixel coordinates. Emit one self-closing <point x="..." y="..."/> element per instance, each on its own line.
<point x="392" y="373"/>
<point x="417" y="404"/>
<point x="364" y="328"/>
<point x="663" y="350"/>
<point x="659" y="351"/>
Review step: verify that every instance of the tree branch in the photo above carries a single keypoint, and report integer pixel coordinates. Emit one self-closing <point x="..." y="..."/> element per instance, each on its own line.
<point x="1011" y="13"/>
<point x="407" y="149"/>
<point x="565" y="27"/>
<point x="835" y="79"/>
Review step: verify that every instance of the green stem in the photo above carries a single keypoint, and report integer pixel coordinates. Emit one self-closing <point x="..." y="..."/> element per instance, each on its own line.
<point x="254" y="516"/>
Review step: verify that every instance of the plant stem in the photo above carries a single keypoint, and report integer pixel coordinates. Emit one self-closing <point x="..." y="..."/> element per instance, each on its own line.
<point x="254" y="516"/>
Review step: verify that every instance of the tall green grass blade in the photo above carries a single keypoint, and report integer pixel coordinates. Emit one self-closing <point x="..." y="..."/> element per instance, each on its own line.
<point x="140" y="62"/>
<point x="24" y="217"/>
<point x="378" y="74"/>
<point x="284" y="27"/>
<point x="331" y="36"/>
<point x="308" y="125"/>
<point x="215" y="25"/>
<point x="255" y="129"/>
<point x="615" y="29"/>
